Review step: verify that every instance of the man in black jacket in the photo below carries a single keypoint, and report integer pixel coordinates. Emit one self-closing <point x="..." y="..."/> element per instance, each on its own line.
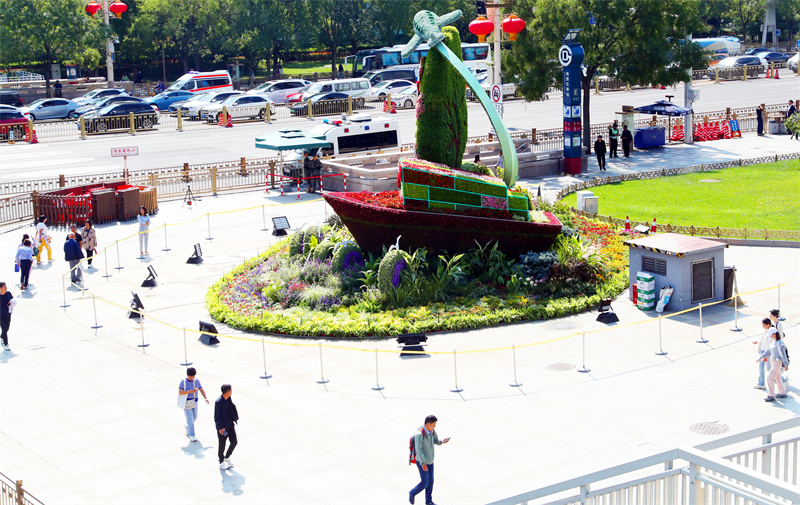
<point x="627" y="140"/>
<point x="600" y="151"/>
<point x="225" y="416"/>
<point x="73" y="254"/>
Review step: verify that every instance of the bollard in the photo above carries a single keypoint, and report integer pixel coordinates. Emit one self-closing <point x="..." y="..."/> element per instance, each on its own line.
<point x="186" y="361"/>
<point x="701" y="340"/>
<point x="119" y="265"/>
<point x="310" y="110"/>
<point x="264" y="216"/>
<point x="105" y="257"/>
<point x="298" y="188"/>
<point x="345" y="182"/>
<point x="208" y="219"/>
<point x="377" y="386"/>
<point x="166" y="247"/>
<point x="781" y="318"/>
<point x="94" y="306"/>
<point x="716" y="75"/>
<point x="141" y="325"/>
<point x="322" y="379"/>
<point x="64" y="289"/>
<point x="516" y="383"/>
<point x="83" y="128"/>
<point x="268" y="114"/>
<point x="584" y="369"/>
<point x="180" y="121"/>
<point x="264" y="352"/>
<point x="455" y="371"/>
<point x="661" y="351"/>
<point x="736" y="312"/>
<point x="132" y="120"/>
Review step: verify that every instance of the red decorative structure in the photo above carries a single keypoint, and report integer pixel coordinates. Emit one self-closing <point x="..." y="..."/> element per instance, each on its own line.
<point x="512" y="25"/>
<point x="118" y="8"/>
<point x="92" y="8"/>
<point x="481" y="27"/>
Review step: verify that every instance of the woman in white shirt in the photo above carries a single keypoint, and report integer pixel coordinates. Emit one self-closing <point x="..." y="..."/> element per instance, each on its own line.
<point x="144" y="230"/>
<point x="776" y="354"/>
<point x="43" y="239"/>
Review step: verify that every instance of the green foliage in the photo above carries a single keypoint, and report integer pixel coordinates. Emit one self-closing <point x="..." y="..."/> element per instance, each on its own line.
<point x="387" y="269"/>
<point x="442" y="127"/>
<point x="487" y="263"/>
<point x="559" y="209"/>
<point x="517" y="202"/>
<point x="476" y="168"/>
<point x="483" y="188"/>
<point x="455" y="196"/>
<point x="793" y="124"/>
<point x="442" y="205"/>
<point x="323" y="250"/>
<point x="341" y="252"/>
<point x="416" y="191"/>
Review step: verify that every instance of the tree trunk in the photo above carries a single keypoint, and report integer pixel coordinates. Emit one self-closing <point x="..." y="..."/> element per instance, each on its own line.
<point x="197" y="62"/>
<point x="586" y="84"/>
<point x="48" y="59"/>
<point x="333" y="60"/>
<point x="275" y="52"/>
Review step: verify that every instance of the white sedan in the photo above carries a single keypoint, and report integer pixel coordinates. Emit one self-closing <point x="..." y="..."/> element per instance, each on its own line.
<point x="238" y="107"/>
<point x="405" y="98"/>
<point x="384" y="88"/>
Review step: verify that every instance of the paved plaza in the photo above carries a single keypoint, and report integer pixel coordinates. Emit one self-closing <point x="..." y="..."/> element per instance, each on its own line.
<point x="89" y="417"/>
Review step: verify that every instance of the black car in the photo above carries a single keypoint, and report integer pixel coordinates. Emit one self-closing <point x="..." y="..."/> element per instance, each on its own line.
<point x="117" y="116"/>
<point x="773" y="57"/>
<point x="10" y="98"/>
<point x="324" y="103"/>
<point x="757" y="50"/>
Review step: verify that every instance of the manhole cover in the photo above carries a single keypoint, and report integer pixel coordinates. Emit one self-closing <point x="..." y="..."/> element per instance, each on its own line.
<point x="710" y="180"/>
<point x="560" y="367"/>
<point x="709" y="428"/>
<point x="563" y="325"/>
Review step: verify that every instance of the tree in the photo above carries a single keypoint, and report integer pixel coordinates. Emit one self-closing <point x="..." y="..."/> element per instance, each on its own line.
<point x="744" y="13"/>
<point x="638" y="41"/>
<point x="44" y="31"/>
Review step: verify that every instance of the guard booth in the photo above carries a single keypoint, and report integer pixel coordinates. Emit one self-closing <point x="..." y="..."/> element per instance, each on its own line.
<point x="693" y="266"/>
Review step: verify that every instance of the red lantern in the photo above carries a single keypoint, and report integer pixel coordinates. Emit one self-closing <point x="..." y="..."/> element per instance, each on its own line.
<point x="481" y="27"/>
<point x="92" y="8"/>
<point x="118" y="8"/>
<point x="512" y="25"/>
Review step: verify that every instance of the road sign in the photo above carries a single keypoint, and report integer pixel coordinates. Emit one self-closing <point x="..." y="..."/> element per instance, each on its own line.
<point x="499" y="108"/>
<point x="798" y="44"/>
<point x="497" y="94"/>
<point x="116" y="152"/>
<point x="565" y="55"/>
<point x="777" y="32"/>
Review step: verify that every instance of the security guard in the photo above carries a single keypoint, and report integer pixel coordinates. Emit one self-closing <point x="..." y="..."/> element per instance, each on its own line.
<point x="315" y="172"/>
<point x="613" y="136"/>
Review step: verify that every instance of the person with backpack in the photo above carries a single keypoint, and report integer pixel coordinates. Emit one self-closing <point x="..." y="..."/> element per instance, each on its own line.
<point x="776" y="354"/>
<point x="774" y="316"/>
<point x="421" y="448"/>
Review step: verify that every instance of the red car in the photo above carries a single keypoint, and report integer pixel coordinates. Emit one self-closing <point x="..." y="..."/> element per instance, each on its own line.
<point x="13" y="121"/>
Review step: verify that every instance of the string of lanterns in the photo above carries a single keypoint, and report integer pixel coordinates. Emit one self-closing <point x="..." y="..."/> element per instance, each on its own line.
<point x="482" y="27"/>
<point x="117" y="8"/>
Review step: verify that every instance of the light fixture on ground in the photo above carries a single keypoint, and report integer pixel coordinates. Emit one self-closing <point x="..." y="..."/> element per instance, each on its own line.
<point x="411" y="344"/>
<point x="281" y="224"/>
<point x="643" y="229"/>
<point x="150" y="281"/>
<point x="197" y="257"/>
<point x="209" y="330"/>
<point x="607" y="314"/>
<point x="136" y="305"/>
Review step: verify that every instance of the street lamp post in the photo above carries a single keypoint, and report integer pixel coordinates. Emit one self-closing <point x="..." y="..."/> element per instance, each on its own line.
<point x="117" y="8"/>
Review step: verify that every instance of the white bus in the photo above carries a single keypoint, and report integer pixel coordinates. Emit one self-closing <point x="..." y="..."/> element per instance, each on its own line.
<point x="475" y="56"/>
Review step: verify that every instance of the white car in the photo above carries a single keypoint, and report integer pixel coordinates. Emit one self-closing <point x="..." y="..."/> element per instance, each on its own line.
<point x="278" y="90"/>
<point x="191" y="108"/>
<point x="405" y="98"/>
<point x="384" y="88"/>
<point x="96" y="94"/>
<point x="238" y="106"/>
<point x="793" y="61"/>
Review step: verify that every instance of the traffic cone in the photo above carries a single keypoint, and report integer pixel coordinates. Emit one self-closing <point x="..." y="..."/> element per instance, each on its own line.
<point x="726" y="131"/>
<point x="394" y="109"/>
<point x="717" y="132"/>
<point x="769" y="73"/>
<point x="776" y="74"/>
<point x="221" y="120"/>
<point x="628" y="223"/>
<point x="230" y="122"/>
<point x="33" y="139"/>
<point x="653" y="226"/>
<point x="385" y="106"/>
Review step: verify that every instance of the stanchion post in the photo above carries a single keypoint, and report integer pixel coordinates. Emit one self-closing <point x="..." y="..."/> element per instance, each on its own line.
<point x="736" y="312"/>
<point x="64" y="289"/>
<point x="94" y="306"/>
<point x="455" y="372"/>
<point x="377" y="386"/>
<point x="264" y="353"/>
<point x="119" y="264"/>
<point x="264" y="216"/>
<point x="186" y="361"/>
<point x="701" y="340"/>
<point x="141" y="325"/>
<point x="208" y="220"/>
<point x="322" y="379"/>
<point x="583" y="345"/>
<point x="516" y="383"/>
<point x="661" y="351"/>
<point x="166" y="247"/>
<point x="105" y="257"/>
<point x="781" y="318"/>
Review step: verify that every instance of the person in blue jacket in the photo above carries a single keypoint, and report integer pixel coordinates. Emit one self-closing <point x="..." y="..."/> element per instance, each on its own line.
<point x="73" y="254"/>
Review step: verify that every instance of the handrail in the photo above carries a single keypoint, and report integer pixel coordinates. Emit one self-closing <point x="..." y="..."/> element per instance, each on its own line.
<point x="769" y="429"/>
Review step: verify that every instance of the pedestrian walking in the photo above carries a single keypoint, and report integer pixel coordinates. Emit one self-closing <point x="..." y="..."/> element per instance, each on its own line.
<point x="763" y="345"/>
<point x="776" y="354"/>
<point x="89" y="241"/>
<point x="189" y="388"/>
<point x="477" y="159"/>
<point x="144" y="230"/>
<point x="774" y="314"/>
<point x="24" y="259"/>
<point x="425" y="439"/>
<point x="42" y="240"/>
<point x="7" y="304"/>
<point x="252" y="77"/>
<point x="225" y="419"/>
<point x="600" y="152"/>
<point x="791" y="111"/>
<point x="613" y="138"/>
<point x="57" y="87"/>
<point x="73" y="254"/>
<point x="73" y="228"/>
<point x="500" y="163"/>
<point x="627" y="140"/>
<point x="760" y="120"/>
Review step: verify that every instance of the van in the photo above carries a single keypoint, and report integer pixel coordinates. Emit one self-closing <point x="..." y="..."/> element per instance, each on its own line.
<point x="390" y="75"/>
<point x="350" y="87"/>
<point x="200" y="82"/>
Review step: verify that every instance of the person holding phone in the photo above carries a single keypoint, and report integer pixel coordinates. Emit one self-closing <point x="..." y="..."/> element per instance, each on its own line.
<point x="225" y="417"/>
<point x="189" y="387"/>
<point x="424" y="441"/>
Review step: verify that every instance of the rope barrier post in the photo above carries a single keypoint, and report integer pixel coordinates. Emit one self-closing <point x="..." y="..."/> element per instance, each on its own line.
<point x="584" y="369"/>
<point x="455" y="371"/>
<point x="516" y="383"/>
<point x="661" y="351"/>
<point x="264" y="216"/>
<point x="64" y="289"/>
<point x="781" y="318"/>
<point x="208" y="220"/>
<point x="105" y="256"/>
<point x="736" y="312"/>
<point x="186" y="361"/>
<point x="141" y="325"/>
<point x="119" y="265"/>
<point x="701" y="340"/>
<point x="94" y="306"/>
<point x="264" y="352"/>
<point x="166" y="247"/>
<point x="377" y="386"/>
<point x="322" y="379"/>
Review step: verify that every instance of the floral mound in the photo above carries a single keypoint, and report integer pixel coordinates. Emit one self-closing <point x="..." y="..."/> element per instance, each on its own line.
<point x="345" y="292"/>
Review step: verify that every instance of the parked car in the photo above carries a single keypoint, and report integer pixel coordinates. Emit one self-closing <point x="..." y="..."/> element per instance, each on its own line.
<point x="377" y="76"/>
<point x="405" y="98"/>
<point x="12" y="120"/>
<point x="716" y="58"/>
<point x="792" y="62"/>
<point x="772" y="57"/>
<point x="8" y="107"/>
<point x="102" y="102"/>
<point x="163" y="100"/>
<point x="93" y="95"/>
<point x="278" y="90"/>
<point x="351" y="87"/>
<point x="191" y="108"/>
<point x="324" y="103"/>
<point x="238" y="106"/>
<point x="10" y="98"/>
<point x="753" y="64"/>
<point x="757" y="50"/>
<point x="50" y="108"/>
<point x="385" y="87"/>
<point x="117" y="116"/>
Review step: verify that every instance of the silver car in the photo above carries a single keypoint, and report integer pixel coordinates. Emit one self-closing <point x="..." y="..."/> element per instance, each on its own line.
<point x="97" y="94"/>
<point x="50" y="108"/>
<point x="278" y="90"/>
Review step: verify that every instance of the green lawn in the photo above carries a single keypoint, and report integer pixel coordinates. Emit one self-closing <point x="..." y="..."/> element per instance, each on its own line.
<point x="757" y="196"/>
<point x="308" y="67"/>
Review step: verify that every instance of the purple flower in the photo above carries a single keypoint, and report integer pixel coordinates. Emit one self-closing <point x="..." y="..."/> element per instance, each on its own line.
<point x="353" y="259"/>
<point x="493" y="202"/>
<point x="398" y="268"/>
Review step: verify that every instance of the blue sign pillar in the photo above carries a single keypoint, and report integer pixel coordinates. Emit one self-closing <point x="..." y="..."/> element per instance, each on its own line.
<point x="570" y="55"/>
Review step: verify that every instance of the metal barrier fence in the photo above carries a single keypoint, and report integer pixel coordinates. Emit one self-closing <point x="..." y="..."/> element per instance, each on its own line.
<point x="12" y="493"/>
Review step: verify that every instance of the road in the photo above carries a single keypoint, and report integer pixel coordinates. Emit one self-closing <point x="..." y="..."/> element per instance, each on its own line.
<point x="162" y="149"/>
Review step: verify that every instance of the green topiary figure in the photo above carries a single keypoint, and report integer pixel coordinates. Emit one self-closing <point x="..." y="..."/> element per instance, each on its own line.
<point x="390" y="269"/>
<point x="347" y="255"/>
<point x="323" y="250"/>
<point x="442" y="107"/>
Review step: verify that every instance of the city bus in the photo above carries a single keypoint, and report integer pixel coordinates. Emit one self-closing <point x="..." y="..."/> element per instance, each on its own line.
<point x="476" y="56"/>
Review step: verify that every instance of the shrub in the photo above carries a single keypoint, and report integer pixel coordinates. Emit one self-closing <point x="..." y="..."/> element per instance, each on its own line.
<point x="475" y="168"/>
<point x="536" y="265"/>
<point x="415" y="191"/>
<point x="320" y="298"/>
<point x="390" y="270"/>
<point x="481" y="187"/>
<point x="347" y="256"/>
<point x="453" y="196"/>
<point x="323" y="250"/>
<point x="313" y="271"/>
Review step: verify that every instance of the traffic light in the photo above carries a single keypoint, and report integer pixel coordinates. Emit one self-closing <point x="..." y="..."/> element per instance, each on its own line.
<point x="481" y="8"/>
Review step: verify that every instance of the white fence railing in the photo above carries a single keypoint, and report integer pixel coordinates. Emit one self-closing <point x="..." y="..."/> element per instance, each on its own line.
<point x="763" y="474"/>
